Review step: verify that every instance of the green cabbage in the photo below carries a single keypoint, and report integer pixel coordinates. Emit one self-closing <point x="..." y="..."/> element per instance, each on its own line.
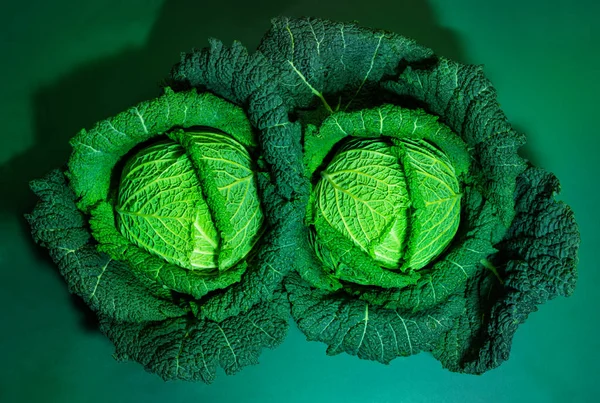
<point x="157" y="221"/>
<point x="425" y="230"/>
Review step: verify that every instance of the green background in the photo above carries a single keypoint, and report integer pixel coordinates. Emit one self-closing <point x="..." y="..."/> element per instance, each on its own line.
<point x="67" y="64"/>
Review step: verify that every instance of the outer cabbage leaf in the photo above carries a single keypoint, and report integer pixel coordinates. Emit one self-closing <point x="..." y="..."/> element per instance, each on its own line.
<point x="190" y="349"/>
<point x="108" y="286"/>
<point x="538" y="258"/>
<point x="340" y="65"/>
<point x="368" y="331"/>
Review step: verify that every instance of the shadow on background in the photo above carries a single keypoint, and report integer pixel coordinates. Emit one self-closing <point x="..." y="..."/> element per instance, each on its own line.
<point x="103" y="88"/>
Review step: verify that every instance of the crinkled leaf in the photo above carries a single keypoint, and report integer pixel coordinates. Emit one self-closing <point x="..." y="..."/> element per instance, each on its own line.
<point x="361" y="194"/>
<point x="161" y="208"/>
<point x="435" y="194"/>
<point x="109" y="287"/>
<point x="349" y="263"/>
<point x="340" y="65"/>
<point x="193" y="350"/>
<point x="226" y="172"/>
<point x="349" y="325"/>
<point x="538" y="258"/>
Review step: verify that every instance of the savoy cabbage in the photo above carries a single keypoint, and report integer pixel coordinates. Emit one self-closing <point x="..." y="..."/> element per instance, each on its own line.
<point x="158" y="213"/>
<point x="345" y="175"/>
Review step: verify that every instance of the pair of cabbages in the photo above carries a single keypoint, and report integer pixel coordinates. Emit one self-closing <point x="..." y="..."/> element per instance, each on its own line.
<point x="345" y="175"/>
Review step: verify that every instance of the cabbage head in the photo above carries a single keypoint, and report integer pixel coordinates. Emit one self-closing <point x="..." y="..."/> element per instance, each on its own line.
<point x="393" y="200"/>
<point x="162" y="208"/>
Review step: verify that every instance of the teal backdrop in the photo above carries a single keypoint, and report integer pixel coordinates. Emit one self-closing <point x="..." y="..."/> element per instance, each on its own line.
<point x="67" y="64"/>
